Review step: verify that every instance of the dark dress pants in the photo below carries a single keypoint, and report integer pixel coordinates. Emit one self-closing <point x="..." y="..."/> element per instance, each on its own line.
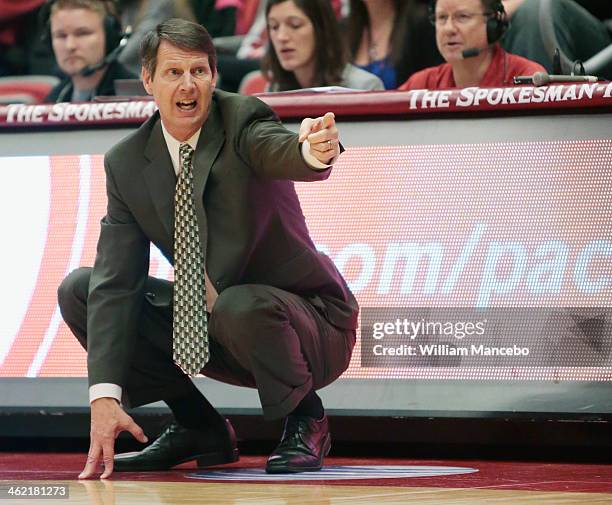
<point x="260" y="337"/>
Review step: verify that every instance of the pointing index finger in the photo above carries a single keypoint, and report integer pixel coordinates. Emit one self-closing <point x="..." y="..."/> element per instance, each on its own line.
<point x="329" y="120"/>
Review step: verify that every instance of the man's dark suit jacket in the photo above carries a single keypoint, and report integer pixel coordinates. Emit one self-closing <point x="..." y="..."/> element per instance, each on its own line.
<point x="249" y="217"/>
<point x="63" y="91"/>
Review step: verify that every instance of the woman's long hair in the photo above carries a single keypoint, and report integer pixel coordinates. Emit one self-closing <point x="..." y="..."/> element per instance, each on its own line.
<point x="330" y="55"/>
<point x="359" y="22"/>
<point x="413" y="42"/>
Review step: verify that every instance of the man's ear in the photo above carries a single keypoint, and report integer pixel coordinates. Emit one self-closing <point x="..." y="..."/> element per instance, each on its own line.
<point x="214" y="80"/>
<point x="146" y="80"/>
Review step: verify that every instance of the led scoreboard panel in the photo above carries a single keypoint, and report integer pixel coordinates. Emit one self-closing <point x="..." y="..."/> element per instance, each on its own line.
<point x="473" y="226"/>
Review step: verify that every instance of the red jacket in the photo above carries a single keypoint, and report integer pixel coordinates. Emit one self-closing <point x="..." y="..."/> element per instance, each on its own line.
<point x="502" y="69"/>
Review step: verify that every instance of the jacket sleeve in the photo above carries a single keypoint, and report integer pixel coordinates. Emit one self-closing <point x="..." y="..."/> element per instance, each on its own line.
<point x="269" y="148"/>
<point x="116" y="290"/>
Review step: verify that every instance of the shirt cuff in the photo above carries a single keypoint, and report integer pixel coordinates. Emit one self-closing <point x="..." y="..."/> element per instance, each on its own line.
<point x="312" y="161"/>
<point x="105" y="390"/>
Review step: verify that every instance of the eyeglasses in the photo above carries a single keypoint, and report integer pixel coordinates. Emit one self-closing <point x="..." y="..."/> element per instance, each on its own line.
<point x="458" y="18"/>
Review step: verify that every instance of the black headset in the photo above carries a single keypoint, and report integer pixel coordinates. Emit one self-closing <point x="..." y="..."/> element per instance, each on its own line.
<point x="112" y="25"/>
<point x="497" y="23"/>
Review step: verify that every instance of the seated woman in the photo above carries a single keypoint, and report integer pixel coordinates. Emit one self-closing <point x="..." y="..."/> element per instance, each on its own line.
<point x="467" y="35"/>
<point x="299" y="58"/>
<point x="391" y="38"/>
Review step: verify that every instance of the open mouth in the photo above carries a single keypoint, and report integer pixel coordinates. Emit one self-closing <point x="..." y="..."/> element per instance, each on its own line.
<point x="186" y="105"/>
<point x="453" y="45"/>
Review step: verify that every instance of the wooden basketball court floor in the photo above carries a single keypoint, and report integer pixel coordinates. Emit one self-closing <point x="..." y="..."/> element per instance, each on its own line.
<point x="343" y="481"/>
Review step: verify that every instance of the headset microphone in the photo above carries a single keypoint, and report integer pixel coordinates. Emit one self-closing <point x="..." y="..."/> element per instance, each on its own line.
<point x="472" y="52"/>
<point x="110" y="57"/>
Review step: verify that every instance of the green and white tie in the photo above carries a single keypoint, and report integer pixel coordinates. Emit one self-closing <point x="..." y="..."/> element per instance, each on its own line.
<point x="190" y="319"/>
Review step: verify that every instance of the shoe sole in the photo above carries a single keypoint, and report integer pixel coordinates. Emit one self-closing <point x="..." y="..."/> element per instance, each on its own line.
<point x="202" y="460"/>
<point x="300" y="469"/>
<point x="218" y="458"/>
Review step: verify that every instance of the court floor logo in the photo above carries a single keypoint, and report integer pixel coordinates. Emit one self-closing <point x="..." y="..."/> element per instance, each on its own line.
<point x="335" y="473"/>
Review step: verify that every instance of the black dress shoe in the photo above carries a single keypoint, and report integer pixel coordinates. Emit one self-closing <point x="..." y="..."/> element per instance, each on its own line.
<point x="178" y="445"/>
<point x="304" y="444"/>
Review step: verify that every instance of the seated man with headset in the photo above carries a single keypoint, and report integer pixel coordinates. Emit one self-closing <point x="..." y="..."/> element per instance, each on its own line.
<point x="467" y="35"/>
<point x="87" y="39"/>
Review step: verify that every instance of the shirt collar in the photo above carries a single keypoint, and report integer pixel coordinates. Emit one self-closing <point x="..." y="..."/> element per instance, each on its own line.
<point x="174" y="145"/>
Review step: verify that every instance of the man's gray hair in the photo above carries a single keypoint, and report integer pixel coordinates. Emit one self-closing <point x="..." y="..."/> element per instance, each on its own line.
<point x="180" y="33"/>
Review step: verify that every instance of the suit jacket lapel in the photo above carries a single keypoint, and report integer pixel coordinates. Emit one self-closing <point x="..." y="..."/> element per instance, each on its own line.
<point x="160" y="178"/>
<point x="210" y="142"/>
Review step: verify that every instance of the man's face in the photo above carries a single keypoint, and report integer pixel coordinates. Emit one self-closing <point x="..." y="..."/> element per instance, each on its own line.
<point x="182" y="87"/>
<point x="78" y="39"/>
<point x="460" y="25"/>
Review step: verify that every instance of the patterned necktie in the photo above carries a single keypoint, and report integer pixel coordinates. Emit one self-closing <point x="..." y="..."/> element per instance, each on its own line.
<point x="190" y="321"/>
